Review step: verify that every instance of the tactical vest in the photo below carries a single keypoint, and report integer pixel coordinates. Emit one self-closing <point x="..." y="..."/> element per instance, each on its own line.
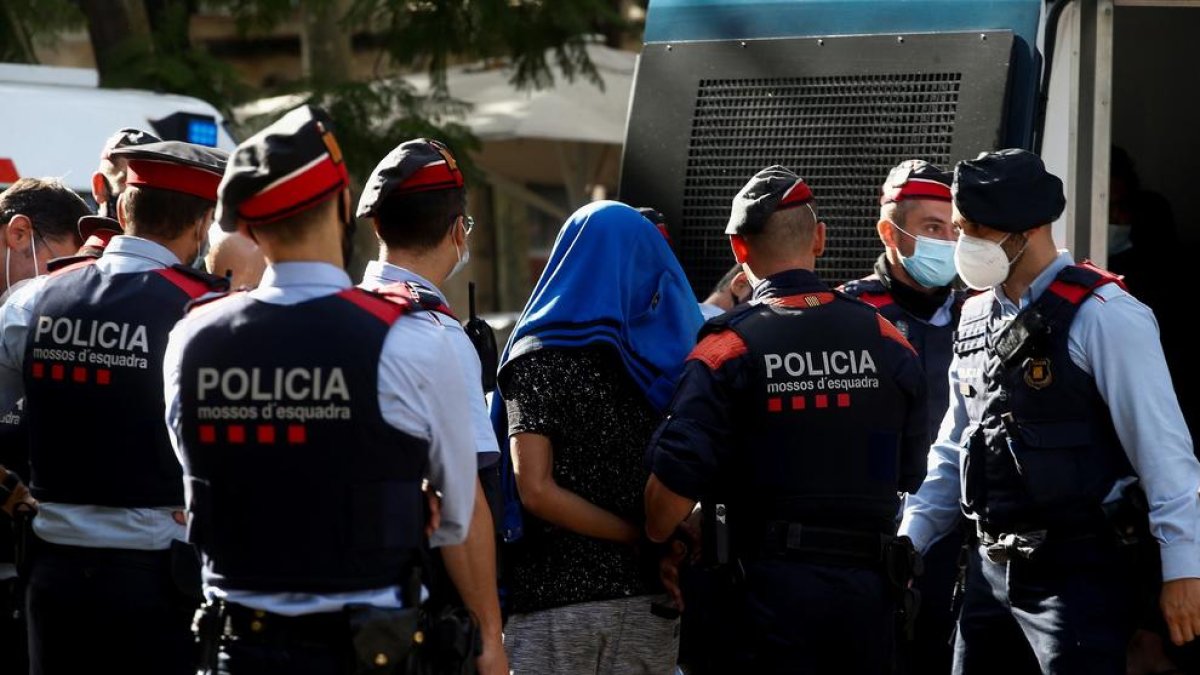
<point x="14" y="456"/>
<point x="1042" y="451"/>
<point x="94" y="388"/>
<point x="297" y="482"/>
<point x="933" y="343"/>
<point x="819" y="435"/>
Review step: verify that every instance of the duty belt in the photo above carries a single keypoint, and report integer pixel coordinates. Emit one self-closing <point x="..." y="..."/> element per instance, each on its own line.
<point x="1001" y="547"/>
<point x="268" y="627"/>
<point x="1005" y="547"/>
<point x="787" y="538"/>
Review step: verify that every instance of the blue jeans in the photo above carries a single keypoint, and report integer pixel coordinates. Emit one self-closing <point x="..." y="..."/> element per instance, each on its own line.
<point x="1066" y="611"/>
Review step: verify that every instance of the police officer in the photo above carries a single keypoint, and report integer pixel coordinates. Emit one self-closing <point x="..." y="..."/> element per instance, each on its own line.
<point x="912" y="287"/>
<point x="31" y="210"/>
<point x="1060" y="402"/>
<point x="307" y="413"/>
<point x="798" y="418"/>
<point x="108" y="182"/>
<point x="416" y="199"/>
<point x="108" y="581"/>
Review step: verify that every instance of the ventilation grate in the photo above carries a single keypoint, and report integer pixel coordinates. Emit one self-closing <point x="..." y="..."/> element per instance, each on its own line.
<point x="841" y="133"/>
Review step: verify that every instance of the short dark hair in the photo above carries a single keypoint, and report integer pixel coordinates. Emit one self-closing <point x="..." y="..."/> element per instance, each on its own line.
<point x="297" y="226"/>
<point x="52" y="207"/>
<point x="419" y="220"/>
<point x="786" y="232"/>
<point x="162" y="213"/>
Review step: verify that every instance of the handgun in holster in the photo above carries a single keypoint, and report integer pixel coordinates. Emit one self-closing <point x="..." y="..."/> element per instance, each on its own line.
<point x="483" y="338"/>
<point x="902" y="564"/>
<point x="1129" y="516"/>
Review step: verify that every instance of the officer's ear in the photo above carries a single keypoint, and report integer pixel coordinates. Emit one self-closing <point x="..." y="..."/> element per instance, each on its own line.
<point x="100" y="189"/>
<point x="818" y="245"/>
<point x="740" y="250"/>
<point x="206" y="222"/>
<point x="120" y="214"/>
<point x="887" y="232"/>
<point x="18" y="231"/>
<point x="740" y="285"/>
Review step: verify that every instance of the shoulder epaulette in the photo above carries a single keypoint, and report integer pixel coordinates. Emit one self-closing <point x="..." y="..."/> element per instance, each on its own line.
<point x="422" y="297"/>
<point x="195" y="283"/>
<point x="1075" y="283"/>
<point x="207" y="300"/>
<point x="71" y="263"/>
<point x="66" y="261"/>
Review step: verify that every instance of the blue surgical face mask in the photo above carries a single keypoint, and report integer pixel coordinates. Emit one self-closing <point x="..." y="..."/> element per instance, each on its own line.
<point x="932" y="261"/>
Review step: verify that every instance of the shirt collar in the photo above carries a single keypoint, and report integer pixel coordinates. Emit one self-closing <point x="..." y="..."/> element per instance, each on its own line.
<point x="1040" y="283"/>
<point x="789" y="282"/>
<point x="293" y="274"/>
<point x="136" y="247"/>
<point x="383" y="273"/>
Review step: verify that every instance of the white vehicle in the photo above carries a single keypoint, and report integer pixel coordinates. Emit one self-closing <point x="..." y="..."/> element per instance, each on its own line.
<point x="55" y="121"/>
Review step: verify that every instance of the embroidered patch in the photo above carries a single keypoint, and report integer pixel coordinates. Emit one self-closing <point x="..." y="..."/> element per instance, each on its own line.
<point x="1037" y="373"/>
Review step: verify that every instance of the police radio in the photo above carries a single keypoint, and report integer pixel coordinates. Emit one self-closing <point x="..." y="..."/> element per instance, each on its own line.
<point x="484" y="339"/>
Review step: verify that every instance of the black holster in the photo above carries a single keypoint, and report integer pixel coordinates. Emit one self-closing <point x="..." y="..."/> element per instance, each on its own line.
<point x="1129" y="517"/>
<point x="23" y="516"/>
<point x="412" y="641"/>
<point x="901" y="565"/>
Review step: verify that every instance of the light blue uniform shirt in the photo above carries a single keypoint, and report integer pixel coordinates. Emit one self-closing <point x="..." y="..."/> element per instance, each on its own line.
<point x="1114" y="338"/>
<point x="144" y="529"/>
<point x="380" y="274"/>
<point x="420" y="393"/>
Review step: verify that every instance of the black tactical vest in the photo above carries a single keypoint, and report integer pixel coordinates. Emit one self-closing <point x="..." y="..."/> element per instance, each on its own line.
<point x="819" y="437"/>
<point x="1041" y="448"/>
<point x="94" y="385"/>
<point x="933" y="343"/>
<point x="297" y="483"/>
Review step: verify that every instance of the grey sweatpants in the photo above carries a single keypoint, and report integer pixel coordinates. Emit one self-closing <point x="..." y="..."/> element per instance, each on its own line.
<point x="606" y="637"/>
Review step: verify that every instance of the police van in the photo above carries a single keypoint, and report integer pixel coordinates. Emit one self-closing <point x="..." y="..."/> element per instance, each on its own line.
<point x="55" y="122"/>
<point x="842" y="90"/>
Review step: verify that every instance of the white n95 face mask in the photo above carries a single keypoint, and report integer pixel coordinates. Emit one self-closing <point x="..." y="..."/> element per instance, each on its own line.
<point x="981" y="263"/>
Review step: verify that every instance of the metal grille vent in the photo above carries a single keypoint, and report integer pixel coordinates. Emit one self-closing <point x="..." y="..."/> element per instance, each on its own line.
<point x="841" y="133"/>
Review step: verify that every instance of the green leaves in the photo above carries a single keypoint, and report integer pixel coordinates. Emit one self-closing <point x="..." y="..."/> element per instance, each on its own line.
<point x="433" y="34"/>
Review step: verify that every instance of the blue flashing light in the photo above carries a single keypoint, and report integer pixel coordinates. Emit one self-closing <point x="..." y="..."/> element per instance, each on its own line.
<point x="202" y="131"/>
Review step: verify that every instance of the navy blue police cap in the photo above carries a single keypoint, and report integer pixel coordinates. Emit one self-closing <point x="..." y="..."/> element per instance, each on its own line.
<point x="174" y="165"/>
<point x="1008" y="190"/>
<point x="772" y="189"/>
<point x="419" y="165"/>
<point x="126" y="137"/>
<point x="289" y="167"/>
<point x="916" y="179"/>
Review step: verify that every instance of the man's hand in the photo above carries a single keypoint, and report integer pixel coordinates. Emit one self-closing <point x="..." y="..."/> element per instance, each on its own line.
<point x="683" y="548"/>
<point x="493" y="660"/>
<point x="668" y="571"/>
<point x="20" y="495"/>
<point x="1180" y="604"/>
